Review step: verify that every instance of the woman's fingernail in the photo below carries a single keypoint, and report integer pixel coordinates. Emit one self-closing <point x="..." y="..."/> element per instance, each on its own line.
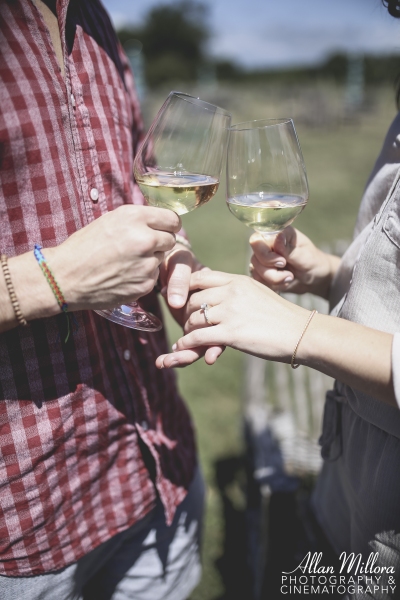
<point x="288" y="279"/>
<point x="163" y="292"/>
<point x="280" y="264"/>
<point x="174" y="346"/>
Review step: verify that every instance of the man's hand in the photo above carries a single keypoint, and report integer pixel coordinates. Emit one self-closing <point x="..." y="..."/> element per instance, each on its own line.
<point x="115" y="259"/>
<point x="289" y="262"/>
<point x="175" y="274"/>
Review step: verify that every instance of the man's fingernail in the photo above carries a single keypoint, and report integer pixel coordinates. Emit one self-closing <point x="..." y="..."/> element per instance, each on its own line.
<point x="279" y="265"/>
<point x="174" y="347"/>
<point x="288" y="279"/>
<point x="174" y="363"/>
<point x="176" y="300"/>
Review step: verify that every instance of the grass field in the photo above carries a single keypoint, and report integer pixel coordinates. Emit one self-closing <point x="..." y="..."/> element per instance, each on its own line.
<point x="339" y="154"/>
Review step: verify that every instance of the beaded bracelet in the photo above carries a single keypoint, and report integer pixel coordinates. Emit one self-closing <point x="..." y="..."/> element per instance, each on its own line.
<point x="11" y="292"/>
<point x="51" y="280"/>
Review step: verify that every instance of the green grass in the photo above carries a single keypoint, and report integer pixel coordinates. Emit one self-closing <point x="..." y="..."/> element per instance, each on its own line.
<point x="339" y="156"/>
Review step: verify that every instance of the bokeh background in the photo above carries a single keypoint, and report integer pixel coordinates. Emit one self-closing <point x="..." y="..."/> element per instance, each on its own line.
<point x="333" y="68"/>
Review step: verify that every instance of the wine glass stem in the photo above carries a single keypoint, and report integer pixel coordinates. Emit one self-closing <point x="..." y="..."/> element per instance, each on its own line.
<point x="268" y="234"/>
<point x="128" y="307"/>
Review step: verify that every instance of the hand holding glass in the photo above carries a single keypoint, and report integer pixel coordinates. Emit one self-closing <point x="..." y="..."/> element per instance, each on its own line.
<point x="178" y="166"/>
<point x="266" y="178"/>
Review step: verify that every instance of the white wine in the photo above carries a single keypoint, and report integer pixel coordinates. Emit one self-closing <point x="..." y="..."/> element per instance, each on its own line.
<point x="180" y="192"/>
<point x="266" y="213"/>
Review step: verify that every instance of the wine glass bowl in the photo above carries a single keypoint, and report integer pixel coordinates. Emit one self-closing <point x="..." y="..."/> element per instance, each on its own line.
<point x="267" y="184"/>
<point x="179" y="163"/>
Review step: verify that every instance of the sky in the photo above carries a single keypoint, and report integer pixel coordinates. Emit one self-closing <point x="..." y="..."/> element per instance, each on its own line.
<point x="279" y="33"/>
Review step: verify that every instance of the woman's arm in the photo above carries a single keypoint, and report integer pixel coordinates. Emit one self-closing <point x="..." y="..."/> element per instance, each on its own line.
<point x="250" y="317"/>
<point x="356" y="355"/>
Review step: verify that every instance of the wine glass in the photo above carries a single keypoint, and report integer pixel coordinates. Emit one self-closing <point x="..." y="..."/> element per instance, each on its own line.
<point x="267" y="184"/>
<point x="179" y="163"/>
<point x="178" y="166"/>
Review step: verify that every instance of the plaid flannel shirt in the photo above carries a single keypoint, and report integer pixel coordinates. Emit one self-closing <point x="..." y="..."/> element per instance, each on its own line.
<point x="90" y="430"/>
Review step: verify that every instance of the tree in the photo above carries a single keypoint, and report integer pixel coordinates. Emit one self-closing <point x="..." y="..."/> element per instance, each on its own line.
<point x="173" y="38"/>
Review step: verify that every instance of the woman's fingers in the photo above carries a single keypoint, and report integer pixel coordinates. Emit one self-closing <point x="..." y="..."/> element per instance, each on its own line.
<point x="264" y="251"/>
<point x="212" y="354"/>
<point x="205" y="278"/>
<point x="276" y="251"/>
<point x="270" y="275"/>
<point x="182" y="358"/>
<point x="198" y="320"/>
<point x="212" y="297"/>
<point x="207" y="336"/>
<point x="255" y="275"/>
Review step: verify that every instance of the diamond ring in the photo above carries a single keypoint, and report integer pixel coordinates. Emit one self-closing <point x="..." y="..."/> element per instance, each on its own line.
<point x="205" y="308"/>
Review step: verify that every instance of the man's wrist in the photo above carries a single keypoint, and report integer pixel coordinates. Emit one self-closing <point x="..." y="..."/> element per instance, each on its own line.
<point x="34" y="293"/>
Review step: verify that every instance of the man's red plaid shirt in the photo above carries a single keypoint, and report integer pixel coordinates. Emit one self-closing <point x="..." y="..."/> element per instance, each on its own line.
<point x="90" y="430"/>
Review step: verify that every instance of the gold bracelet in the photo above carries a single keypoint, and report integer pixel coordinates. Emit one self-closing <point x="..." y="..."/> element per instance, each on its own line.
<point x="11" y="292"/>
<point x="292" y="363"/>
<point x="182" y="240"/>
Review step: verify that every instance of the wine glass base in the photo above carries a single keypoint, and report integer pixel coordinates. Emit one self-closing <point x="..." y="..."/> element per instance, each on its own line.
<point x="133" y="317"/>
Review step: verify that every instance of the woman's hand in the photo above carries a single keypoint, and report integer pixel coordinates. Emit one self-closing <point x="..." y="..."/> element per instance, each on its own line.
<point x="245" y="315"/>
<point x="250" y="317"/>
<point x="289" y="262"/>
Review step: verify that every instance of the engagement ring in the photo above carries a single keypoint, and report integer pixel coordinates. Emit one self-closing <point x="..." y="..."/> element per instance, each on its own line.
<point x="205" y="308"/>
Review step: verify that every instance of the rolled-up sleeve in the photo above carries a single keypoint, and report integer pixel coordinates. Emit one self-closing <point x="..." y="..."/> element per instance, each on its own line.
<point x="396" y="366"/>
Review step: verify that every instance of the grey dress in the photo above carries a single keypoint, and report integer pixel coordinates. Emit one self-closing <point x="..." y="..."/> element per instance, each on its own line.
<point x="357" y="496"/>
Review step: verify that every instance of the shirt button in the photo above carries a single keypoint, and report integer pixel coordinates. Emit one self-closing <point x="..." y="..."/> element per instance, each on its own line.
<point x="127" y="354"/>
<point x="73" y="100"/>
<point x="144" y="425"/>
<point x="94" y="194"/>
